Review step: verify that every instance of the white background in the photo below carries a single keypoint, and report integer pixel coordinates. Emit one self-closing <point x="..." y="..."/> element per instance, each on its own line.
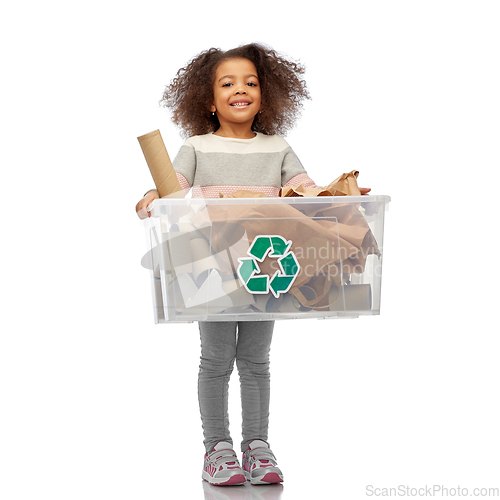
<point x="97" y="401"/>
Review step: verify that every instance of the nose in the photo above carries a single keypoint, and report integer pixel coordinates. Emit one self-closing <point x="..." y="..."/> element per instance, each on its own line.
<point x="240" y="90"/>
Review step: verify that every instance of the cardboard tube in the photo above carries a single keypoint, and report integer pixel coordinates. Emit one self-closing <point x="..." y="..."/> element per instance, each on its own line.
<point x="160" y="166"/>
<point x="203" y="260"/>
<point x="290" y="303"/>
<point x="267" y="303"/>
<point x="273" y="304"/>
<point x="261" y="301"/>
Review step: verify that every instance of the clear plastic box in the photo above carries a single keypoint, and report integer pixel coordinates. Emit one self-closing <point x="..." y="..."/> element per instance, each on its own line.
<point x="248" y="259"/>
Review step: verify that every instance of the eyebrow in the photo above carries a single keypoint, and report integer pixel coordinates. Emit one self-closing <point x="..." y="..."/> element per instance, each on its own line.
<point x="232" y="76"/>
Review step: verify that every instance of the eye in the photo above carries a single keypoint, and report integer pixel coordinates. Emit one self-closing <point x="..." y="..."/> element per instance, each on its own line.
<point x="252" y="84"/>
<point x="227" y="84"/>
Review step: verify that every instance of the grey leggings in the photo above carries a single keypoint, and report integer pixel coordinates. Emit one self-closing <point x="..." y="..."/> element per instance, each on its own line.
<point x="249" y="343"/>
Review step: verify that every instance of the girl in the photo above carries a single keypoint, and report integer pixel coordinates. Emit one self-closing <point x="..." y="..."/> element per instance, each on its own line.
<point x="232" y="105"/>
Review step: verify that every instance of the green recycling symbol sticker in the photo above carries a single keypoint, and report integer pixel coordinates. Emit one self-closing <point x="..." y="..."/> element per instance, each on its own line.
<point x="274" y="246"/>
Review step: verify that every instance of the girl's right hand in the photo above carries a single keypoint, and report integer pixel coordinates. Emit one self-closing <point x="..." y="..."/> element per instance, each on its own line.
<point x="141" y="207"/>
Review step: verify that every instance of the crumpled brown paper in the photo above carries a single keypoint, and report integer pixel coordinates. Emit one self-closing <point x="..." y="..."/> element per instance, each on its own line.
<point x="302" y="191"/>
<point x="340" y="228"/>
<point x="345" y="185"/>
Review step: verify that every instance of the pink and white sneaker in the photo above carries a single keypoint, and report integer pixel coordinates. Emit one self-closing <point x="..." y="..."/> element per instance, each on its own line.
<point x="259" y="464"/>
<point x="221" y="467"/>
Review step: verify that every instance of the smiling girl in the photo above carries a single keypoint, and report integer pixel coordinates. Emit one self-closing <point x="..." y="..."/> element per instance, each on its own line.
<point x="234" y="106"/>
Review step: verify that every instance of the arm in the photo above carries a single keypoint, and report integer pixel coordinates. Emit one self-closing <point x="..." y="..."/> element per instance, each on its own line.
<point x="304" y="179"/>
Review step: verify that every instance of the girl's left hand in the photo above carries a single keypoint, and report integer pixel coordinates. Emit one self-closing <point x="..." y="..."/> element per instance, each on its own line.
<point x="365" y="190"/>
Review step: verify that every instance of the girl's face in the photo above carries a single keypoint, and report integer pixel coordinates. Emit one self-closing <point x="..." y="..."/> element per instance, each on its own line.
<point x="237" y="95"/>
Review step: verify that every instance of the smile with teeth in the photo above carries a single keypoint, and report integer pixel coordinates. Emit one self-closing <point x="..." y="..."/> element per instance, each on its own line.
<point x="240" y="104"/>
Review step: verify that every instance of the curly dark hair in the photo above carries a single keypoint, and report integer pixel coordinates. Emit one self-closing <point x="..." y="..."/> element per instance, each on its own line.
<point x="190" y="94"/>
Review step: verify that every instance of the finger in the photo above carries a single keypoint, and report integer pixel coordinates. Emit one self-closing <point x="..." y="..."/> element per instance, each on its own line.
<point x="143" y="213"/>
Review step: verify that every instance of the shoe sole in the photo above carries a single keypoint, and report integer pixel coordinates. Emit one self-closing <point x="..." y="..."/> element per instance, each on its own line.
<point x="269" y="478"/>
<point x="232" y="481"/>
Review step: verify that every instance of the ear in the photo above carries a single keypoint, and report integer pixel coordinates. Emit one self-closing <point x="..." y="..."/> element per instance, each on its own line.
<point x="212" y="109"/>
